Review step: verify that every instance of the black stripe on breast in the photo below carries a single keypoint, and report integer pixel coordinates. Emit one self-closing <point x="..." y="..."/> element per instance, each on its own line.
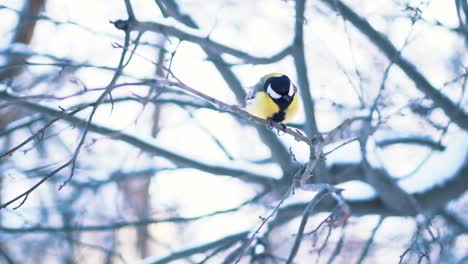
<point x="279" y="117"/>
<point x="282" y="103"/>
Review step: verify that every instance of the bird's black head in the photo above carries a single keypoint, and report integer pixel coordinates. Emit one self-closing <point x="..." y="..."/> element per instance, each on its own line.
<point x="280" y="85"/>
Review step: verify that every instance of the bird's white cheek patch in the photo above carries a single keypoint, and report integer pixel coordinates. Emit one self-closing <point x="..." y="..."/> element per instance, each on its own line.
<point x="291" y="90"/>
<point x="272" y="93"/>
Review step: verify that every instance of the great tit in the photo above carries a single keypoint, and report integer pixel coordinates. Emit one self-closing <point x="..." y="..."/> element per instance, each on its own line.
<point x="274" y="97"/>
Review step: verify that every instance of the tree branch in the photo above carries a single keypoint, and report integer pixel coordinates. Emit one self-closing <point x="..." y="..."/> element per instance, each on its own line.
<point x="23" y="35"/>
<point x="305" y="217"/>
<point x="456" y="114"/>
<point x="189" y="34"/>
<point x="123" y="224"/>
<point x="430" y="201"/>
<point x="415" y="140"/>
<point x="227" y="240"/>
<point x="279" y="152"/>
<point x="300" y="63"/>
<point x="144" y="145"/>
<point x="369" y="242"/>
<point x="338" y="215"/>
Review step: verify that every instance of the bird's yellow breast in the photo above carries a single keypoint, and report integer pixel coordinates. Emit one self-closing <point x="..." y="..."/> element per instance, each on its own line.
<point x="264" y="107"/>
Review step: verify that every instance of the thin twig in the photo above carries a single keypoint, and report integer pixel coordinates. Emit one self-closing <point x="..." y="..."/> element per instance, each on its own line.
<point x="305" y="217"/>
<point x="369" y="242"/>
<point x="264" y="221"/>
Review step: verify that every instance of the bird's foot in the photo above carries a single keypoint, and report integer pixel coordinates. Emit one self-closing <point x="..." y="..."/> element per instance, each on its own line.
<point x="273" y="124"/>
<point x="283" y="127"/>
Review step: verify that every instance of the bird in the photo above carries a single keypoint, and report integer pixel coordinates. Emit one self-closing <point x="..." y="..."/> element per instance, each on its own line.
<point x="274" y="98"/>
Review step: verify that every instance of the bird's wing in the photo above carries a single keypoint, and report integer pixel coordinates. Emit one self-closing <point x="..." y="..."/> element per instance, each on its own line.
<point x="252" y="92"/>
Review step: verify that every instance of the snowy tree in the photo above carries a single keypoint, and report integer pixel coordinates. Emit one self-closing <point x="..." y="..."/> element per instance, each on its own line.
<point x="128" y="141"/>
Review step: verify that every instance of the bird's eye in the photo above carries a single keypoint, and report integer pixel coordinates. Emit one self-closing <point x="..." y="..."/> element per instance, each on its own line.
<point x="272" y="93"/>
<point x="291" y="89"/>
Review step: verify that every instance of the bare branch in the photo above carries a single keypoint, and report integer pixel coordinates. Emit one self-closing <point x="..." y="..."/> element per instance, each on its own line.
<point x="128" y="6"/>
<point x="339" y="246"/>
<point x="227" y="240"/>
<point x="391" y="194"/>
<point x="23" y="35"/>
<point x="300" y="63"/>
<point x="279" y="152"/>
<point x="369" y="242"/>
<point x="146" y="146"/>
<point x="431" y="200"/>
<point x="305" y="217"/>
<point x="123" y="224"/>
<point x="39" y="133"/>
<point x="301" y="70"/>
<point x="26" y="193"/>
<point x="264" y="221"/>
<point x="8" y="259"/>
<point x="415" y="140"/>
<point x="188" y="34"/>
<point x="455" y="113"/>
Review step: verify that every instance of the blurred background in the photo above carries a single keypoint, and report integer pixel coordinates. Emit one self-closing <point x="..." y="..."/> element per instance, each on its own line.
<point x="100" y="163"/>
